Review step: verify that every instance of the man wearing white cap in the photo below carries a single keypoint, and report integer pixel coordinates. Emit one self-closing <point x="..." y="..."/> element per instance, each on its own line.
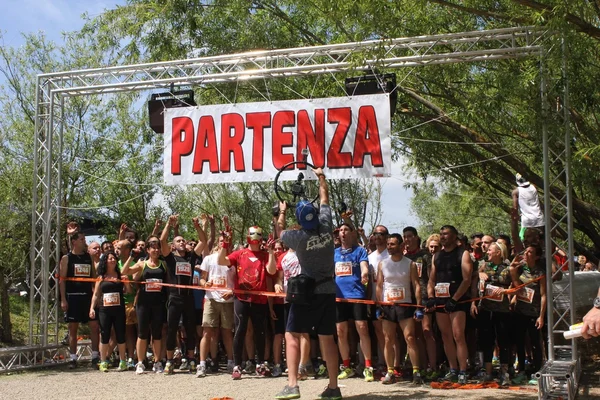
<point x="525" y="198"/>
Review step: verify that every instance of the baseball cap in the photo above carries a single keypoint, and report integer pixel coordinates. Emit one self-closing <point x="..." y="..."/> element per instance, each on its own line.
<point x="307" y="215"/>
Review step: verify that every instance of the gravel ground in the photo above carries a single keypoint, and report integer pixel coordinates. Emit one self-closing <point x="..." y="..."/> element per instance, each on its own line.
<point x="85" y="383"/>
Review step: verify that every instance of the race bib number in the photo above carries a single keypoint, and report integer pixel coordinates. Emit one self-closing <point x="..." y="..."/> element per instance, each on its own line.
<point x="442" y="290"/>
<point x="394" y="294"/>
<point x="183" y="268"/>
<point x="419" y="268"/>
<point x="219" y="282"/>
<point x="526" y="295"/>
<point x="153" y="285"/>
<point x="82" y="270"/>
<point x="111" y="299"/>
<point x="489" y="291"/>
<point x="481" y="286"/>
<point x="343" y="268"/>
<point x="196" y="281"/>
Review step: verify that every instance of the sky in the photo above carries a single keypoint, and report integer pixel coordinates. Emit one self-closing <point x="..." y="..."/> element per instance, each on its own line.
<point x="56" y="16"/>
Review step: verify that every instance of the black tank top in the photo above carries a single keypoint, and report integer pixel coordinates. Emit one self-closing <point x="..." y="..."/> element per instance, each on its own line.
<point x="529" y="298"/>
<point x="79" y="266"/>
<point x="181" y="272"/>
<point x="448" y="270"/>
<point x="152" y="275"/>
<point x="111" y="294"/>
<point x="423" y="263"/>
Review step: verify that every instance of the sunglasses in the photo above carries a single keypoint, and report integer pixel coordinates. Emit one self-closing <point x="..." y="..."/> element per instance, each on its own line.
<point x="154" y="245"/>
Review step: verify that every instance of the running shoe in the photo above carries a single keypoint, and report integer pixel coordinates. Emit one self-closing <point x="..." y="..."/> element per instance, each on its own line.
<point x="103" y="367"/>
<point x="200" y="371"/>
<point x="193" y="367"/>
<point x="250" y="368"/>
<point x="263" y="369"/>
<point x="214" y="367"/>
<point x="520" y="378"/>
<point x="289" y="392"/>
<point x="495" y="361"/>
<point x="331" y="394"/>
<point x="310" y="370"/>
<point x="185" y="365"/>
<point x="462" y="378"/>
<point x="95" y="362"/>
<point x="322" y="371"/>
<point x="122" y="366"/>
<point x="168" y="368"/>
<point x="302" y="373"/>
<point x="368" y="374"/>
<point x="230" y="368"/>
<point x="346" y="372"/>
<point x="388" y="379"/>
<point x="417" y="379"/>
<point x="505" y="380"/>
<point x="140" y="368"/>
<point x="158" y="368"/>
<point x="533" y="381"/>
<point x="236" y="373"/>
<point x="277" y="371"/>
<point x="433" y="376"/>
<point x="72" y="364"/>
<point x="451" y="376"/>
<point x="130" y="364"/>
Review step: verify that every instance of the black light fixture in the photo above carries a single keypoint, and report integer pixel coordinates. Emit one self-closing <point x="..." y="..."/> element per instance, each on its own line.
<point x="160" y="101"/>
<point x="372" y="84"/>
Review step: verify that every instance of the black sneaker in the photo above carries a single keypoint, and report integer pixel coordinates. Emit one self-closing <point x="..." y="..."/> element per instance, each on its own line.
<point x="95" y="362"/>
<point x="331" y="394"/>
<point x="72" y="364"/>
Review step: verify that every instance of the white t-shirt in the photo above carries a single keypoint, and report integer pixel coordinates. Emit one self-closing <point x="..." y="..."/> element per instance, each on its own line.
<point x="374" y="259"/>
<point x="291" y="267"/>
<point x="529" y="204"/>
<point x="220" y="276"/>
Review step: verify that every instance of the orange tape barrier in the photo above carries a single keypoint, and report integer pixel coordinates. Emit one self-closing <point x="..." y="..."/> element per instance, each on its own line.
<point x="483" y="385"/>
<point x="282" y="295"/>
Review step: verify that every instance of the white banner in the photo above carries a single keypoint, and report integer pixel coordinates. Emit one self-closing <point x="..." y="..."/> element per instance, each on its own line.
<point x="348" y="137"/>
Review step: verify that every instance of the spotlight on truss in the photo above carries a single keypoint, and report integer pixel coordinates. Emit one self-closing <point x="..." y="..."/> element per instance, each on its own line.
<point x="373" y="84"/>
<point x="161" y="101"/>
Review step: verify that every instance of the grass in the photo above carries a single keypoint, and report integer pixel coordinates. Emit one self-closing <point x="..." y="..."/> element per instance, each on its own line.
<point x="19" y="316"/>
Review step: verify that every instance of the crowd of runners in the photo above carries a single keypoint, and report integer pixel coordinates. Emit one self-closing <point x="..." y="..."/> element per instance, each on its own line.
<point x="312" y="300"/>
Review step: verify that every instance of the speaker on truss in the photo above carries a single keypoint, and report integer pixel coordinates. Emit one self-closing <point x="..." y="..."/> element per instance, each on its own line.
<point x="373" y="84"/>
<point x="160" y="101"/>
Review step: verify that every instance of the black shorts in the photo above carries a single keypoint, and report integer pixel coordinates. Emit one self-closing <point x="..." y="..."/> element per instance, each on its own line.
<point x="348" y="311"/>
<point x="319" y="315"/>
<point x="397" y="313"/>
<point x="281" y="315"/>
<point x="199" y="313"/>
<point x="79" y="308"/>
<point x="466" y="307"/>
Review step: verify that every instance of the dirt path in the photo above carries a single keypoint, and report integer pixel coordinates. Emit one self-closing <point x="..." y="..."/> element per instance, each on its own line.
<point x="90" y="384"/>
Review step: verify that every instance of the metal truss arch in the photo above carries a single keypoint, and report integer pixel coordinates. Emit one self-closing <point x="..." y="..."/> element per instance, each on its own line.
<point x="54" y="88"/>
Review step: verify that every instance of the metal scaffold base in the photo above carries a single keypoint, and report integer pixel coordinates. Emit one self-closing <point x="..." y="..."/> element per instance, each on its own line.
<point x="559" y="379"/>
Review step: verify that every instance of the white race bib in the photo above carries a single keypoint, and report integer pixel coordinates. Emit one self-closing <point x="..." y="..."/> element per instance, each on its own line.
<point x="394" y="294"/>
<point x="442" y="290"/>
<point x="219" y="282"/>
<point x="343" y="268"/>
<point x="82" y="270"/>
<point x="153" y="285"/>
<point x="111" y="299"/>
<point x="489" y="290"/>
<point x="526" y="295"/>
<point x="183" y="268"/>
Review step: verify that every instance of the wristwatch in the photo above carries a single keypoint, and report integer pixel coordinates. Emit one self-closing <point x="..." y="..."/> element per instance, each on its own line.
<point x="597" y="302"/>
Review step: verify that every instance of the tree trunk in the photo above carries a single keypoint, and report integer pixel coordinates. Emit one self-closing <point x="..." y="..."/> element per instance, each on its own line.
<point x="5" y="324"/>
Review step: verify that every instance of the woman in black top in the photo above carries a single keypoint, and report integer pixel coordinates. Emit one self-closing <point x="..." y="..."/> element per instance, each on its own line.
<point x="108" y="297"/>
<point x="151" y="299"/>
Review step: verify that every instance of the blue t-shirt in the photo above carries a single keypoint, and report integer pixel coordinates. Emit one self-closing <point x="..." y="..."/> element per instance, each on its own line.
<point x="198" y="294"/>
<point x="347" y="272"/>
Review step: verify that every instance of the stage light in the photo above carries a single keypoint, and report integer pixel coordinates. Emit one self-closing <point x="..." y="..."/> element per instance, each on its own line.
<point x="373" y="84"/>
<point x="160" y="101"/>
